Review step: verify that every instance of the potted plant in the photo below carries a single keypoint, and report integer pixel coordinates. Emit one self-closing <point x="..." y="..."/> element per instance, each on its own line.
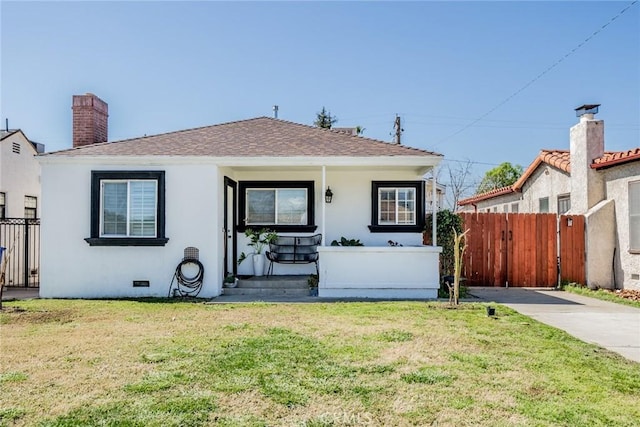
<point x="313" y="285"/>
<point x="230" y="281"/>
<point x="258" y="238"/>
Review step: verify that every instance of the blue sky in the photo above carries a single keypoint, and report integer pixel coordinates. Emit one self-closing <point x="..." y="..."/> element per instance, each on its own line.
<point x="164" y="66"/>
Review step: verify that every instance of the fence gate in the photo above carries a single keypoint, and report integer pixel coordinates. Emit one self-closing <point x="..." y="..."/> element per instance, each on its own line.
<point x="522" y="249"/>
<point x="21" y="239"/>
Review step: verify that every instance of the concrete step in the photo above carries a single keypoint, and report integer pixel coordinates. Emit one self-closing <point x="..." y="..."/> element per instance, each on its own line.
<point x="274" y="282"/>
<point x="268" y="292"/>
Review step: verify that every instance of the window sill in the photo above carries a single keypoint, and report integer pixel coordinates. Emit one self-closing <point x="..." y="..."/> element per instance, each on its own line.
<point x="634" y="251"/>
<point x="281" y="228"/>
<point x="396" y="228"/>
<point x="126" y="241"/>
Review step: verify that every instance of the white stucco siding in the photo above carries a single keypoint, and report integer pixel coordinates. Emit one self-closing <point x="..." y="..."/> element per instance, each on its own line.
<point x="349" y="213"/>
<point x="546" y="181"/>
<point x="73" y="269"/>
<point x="19" y="175"/>
<point x="627" y="264"/>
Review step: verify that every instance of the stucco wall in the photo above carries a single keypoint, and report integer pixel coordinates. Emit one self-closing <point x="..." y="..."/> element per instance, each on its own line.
<point x="194" y="217"/>
<point x="600" y="245"/>
<point x="19" y="175"/>
<point x="72" y="268"/>
<point x="617" y="188"/>
<point x="347" y="215"/>
<point x="546" y="181"/>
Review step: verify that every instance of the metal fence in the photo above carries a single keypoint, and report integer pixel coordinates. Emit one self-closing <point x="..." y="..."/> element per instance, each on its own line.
<point x="21" y="239"/>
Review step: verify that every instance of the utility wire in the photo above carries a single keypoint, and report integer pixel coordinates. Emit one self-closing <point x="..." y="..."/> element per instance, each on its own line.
<point x="539" y="76"/>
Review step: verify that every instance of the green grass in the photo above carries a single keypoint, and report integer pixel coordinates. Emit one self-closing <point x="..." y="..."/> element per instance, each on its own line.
<point x="136" y="363"/>
<point x="601" y="294"/>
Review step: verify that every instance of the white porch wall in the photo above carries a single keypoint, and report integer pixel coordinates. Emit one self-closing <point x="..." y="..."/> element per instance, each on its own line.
<point x="73" y="269"/>
<point x="379" y="272"/>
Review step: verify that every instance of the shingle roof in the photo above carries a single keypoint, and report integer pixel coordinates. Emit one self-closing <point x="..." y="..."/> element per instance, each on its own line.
<point x="615" y="158"/>
<point x="258" y="137"/>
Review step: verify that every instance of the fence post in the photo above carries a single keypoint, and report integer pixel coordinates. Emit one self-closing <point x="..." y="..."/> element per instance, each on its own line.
<point x="26" y="253"/>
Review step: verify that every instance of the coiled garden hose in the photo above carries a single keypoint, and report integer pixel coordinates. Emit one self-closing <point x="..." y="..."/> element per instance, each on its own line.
<point x="187" y="286"/>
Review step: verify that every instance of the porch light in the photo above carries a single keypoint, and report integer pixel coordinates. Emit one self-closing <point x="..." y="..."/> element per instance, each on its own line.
<point x="328" y="195"/>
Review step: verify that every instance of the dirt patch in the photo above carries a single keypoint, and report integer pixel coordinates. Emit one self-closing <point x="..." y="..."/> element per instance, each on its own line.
<point x="629" y="294"/>
<point x="20" y="315"/>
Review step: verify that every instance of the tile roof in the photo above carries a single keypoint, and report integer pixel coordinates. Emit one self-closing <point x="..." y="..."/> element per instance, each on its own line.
<point x="560" y="159"/>
<point x="488" y="195"/>
<point x="258" y="137"/>
<point x="615" y="158"/>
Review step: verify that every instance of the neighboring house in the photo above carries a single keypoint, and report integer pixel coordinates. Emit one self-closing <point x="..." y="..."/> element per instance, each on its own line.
<point x="19" y="175"/>
<point x="584" y="180"/>
<point x="128" y="209"/>
<point x="439" y="197"/>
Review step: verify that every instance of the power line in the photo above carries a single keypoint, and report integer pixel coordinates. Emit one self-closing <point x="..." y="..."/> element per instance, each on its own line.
<point x="539" y="76"/>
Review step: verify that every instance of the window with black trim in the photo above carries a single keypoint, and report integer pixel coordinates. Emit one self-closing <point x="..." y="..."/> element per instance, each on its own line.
<point x="127" y="208"/>
<point x="3" y="206"/>
<point x="30" y="207"/>
<point x="397" y="206"/>
<point x="278" y="205"/>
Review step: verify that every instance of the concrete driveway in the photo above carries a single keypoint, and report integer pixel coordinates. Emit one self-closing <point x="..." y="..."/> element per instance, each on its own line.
<point x="615" y="327"/>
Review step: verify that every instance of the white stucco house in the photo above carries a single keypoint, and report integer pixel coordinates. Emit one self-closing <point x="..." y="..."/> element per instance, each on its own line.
<point x="584" y="180"/>
<point x="119" y="215"/>
<point x="19" y="175"/>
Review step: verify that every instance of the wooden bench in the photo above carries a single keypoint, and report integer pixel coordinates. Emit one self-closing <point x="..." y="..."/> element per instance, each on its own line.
<point x="294" y="250"/>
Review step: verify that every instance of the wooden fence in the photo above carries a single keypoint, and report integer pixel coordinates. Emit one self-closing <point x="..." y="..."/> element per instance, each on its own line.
<point x="523" y="250"/>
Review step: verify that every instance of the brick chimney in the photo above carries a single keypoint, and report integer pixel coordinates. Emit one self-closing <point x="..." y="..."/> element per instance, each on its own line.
<point x="90" y="120"/>
<point x="586" y="144"/>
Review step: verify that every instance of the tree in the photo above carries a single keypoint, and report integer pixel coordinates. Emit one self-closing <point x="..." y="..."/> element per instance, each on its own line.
<point x="501" y="176"/>
<point x="324" y="119"/>
<point x="460" y="184"/>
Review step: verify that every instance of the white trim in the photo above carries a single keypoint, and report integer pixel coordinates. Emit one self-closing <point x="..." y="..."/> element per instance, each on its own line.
<point x="434" y="210"/>
<point x="426" y="161"/>
<point x="323" y="219"/>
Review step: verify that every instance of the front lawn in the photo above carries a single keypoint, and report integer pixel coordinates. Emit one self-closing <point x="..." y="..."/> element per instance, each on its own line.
<point x="155" y="363"/>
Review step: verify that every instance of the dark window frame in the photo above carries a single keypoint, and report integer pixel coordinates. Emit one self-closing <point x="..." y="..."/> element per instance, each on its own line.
<point x="96" y="178"/>
<point x="418" y="227"/>
<point x="243" y="186"/>
<point x="3" y="206"/>
<point x="29" y="209"/>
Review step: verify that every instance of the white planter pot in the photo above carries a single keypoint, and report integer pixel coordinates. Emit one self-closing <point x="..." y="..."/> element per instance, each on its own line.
<point x="258" y="264"/>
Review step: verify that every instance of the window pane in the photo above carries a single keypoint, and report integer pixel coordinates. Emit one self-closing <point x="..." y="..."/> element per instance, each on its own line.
<point x="261" y="206"/>
<point x="543" y="205"/>
<point x="114" y="208"/>
<point x="292" y="206"/>
<point x="142" y="210"/>
<point x="634" y="215"/>
<point x="387" y="206"/>
<point x="406" y="206"/>
<point x="564" y="204"/>
<point x="2" y="199"/>
<point x="30" y="202"/>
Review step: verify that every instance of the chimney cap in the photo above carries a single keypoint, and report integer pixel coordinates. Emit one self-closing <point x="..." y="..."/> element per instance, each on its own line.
<point x="586" y="109"/>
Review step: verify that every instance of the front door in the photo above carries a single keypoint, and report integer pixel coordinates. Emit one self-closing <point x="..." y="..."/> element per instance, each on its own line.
<point x="229" y="232"/>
